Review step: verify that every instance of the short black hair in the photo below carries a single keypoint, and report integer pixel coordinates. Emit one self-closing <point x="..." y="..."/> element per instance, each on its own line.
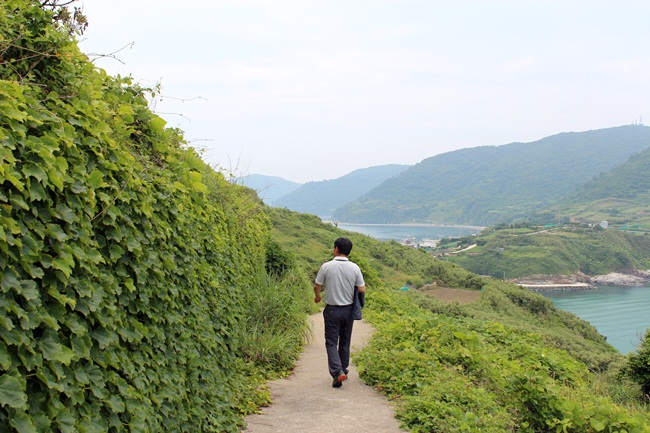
<point x="344" y="245"/>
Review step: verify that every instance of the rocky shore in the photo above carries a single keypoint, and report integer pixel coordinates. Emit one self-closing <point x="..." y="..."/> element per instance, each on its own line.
<point x="630" y="278"/>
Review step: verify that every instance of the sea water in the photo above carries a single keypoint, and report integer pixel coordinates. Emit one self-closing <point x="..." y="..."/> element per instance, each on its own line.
<point x="398" y="232"/>
<point x="622" y="314"/>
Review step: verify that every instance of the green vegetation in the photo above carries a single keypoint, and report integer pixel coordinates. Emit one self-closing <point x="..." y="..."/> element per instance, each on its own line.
<point x="129" y="269"/>
<point x="488" y="185"/>
<point x="459" y="373"/>
<point x="310" y="242"/>
<point x="638" y="365"/>
<point x="619" y="196"/>
<point x="141" y="291"/>
<point x="510" y="361"/>
<point x="508" y="252"/>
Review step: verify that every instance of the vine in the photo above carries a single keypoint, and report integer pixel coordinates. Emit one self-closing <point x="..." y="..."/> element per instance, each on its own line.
<point x="125" y="262"/>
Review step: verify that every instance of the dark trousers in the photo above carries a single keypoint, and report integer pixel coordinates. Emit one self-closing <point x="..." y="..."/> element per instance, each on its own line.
<point x="338" y="334"/>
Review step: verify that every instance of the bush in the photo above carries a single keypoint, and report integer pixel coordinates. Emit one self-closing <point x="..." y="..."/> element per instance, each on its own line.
<point x="638" y="365"/>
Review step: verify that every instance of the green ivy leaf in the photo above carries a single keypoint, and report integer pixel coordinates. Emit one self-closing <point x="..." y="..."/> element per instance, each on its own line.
<point x="199" y="187"/>
<point x="133" y="244"/>
<point x="18" y="201"/>
<point x="13" y="113"/>
<point x="36" y="191"/>
<point x="55" y="178"/>
<point x="62" y="164"/>
<point x="41" y="421"/>
<point x="116" y="404"/>
<point x="62" y="265"/>
<point x="57" y="232"/>
<point x="96" y="179"/>
<point x="597" y="424"/>
<point x="66" y="421"/>
<point x="12" y="393"/>
<point x="23" y="423"/>
<point x="14" y="178"/>
<point x="49" y="347"/>
<point x="53" y="350"/>
<point x="29" y="290"/>
<point x="10" y="280"/>
<point x="5" y="358"/>
<point x="65" y="213"/>
<point x="35" y="171"/>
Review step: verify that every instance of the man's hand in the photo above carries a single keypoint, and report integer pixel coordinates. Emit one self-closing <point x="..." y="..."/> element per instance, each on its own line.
<point x="317" y="289"/>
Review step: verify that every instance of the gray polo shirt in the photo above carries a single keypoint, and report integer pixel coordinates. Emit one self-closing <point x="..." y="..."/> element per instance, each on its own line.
<point x="339" y="276"/>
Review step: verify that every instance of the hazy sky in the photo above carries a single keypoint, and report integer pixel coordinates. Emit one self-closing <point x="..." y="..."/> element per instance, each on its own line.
<point x="312" y="90"/>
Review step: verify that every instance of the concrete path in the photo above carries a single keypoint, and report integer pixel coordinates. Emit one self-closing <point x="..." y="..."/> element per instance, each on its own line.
<point x="306" y="402"/>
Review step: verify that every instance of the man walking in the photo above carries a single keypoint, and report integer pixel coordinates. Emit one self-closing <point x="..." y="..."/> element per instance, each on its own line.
<point x="339" y="276"/>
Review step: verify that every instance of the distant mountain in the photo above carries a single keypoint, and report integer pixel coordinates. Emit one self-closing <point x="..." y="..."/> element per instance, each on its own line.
<point x="268" y="188"/>
<point x="321" y="198"/>
<point x="620" y="196"/>
<point x="491" y="184"/>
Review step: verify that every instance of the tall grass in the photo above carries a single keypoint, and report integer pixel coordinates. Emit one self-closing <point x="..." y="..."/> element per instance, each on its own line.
<point x="275" y="326"/>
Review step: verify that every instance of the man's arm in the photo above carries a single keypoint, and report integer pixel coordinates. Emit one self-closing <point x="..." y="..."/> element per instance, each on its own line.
<point x="361" y="289"/>
<point x="317" y="289"/>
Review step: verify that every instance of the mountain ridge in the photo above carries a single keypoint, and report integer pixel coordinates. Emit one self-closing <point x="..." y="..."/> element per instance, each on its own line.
<point x="323" y="197"/>
<point x="488" y="184"/>
<point x="268" y="188"/>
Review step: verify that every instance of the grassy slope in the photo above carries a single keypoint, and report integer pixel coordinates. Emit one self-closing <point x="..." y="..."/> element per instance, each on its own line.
<point x="619" y="196"/>
<point x="478" y="364"/>
<point x="513" y="253"/>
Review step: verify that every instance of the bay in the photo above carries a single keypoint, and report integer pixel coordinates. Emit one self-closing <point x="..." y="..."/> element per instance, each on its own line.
<point x="619" y="313"/>
<point x="398" y="232"/>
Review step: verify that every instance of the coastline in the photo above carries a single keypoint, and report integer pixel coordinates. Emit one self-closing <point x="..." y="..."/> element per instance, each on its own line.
<point x="460" y="226"/>
<point x="582" y="281"/>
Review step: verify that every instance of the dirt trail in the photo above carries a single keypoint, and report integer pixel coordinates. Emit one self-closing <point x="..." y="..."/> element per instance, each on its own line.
<point x="305" y="402"/>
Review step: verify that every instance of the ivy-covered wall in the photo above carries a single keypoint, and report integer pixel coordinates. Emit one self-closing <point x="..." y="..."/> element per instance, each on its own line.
<point x="124" y="259"/>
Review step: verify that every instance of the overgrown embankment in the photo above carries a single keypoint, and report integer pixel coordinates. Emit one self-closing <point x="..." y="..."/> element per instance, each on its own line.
<point x="127" y="264"/>
<point x="484" y="368"/>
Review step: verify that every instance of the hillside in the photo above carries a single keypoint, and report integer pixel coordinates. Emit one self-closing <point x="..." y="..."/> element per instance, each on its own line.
<point x="322" y="198"/>
<point x="485" y="185"/>
<point x="514" y="252"/>
<point x="509" y="360"/>
<point x="620" y="196"/>
<point x="268" y="188"/>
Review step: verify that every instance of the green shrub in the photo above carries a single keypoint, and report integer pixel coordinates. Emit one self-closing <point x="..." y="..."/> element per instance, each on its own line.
<point x="638" y="365"/>
<point x="451" y="403"/>
<point x="464" y="373"/>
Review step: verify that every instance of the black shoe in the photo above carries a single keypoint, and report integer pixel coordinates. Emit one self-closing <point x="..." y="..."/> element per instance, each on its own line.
<point x="338" y="379"/>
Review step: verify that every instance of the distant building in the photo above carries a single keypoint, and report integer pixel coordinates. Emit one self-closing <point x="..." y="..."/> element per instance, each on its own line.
<point x="604" y="224"/>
